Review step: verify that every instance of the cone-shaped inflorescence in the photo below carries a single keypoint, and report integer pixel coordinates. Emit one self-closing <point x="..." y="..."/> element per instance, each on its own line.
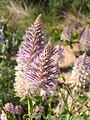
<point x="33" y="44"/>
<point x="81" y="71"/>
<point x="42" y="75"/>
<point x="84" y="38"/>
<point x="66" y="33"/>
<point x="36" y="70"/>
<point x="34" y="41"/>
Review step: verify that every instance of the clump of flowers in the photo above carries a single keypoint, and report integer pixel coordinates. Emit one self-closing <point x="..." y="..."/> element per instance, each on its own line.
<point x="14" y="110"/>
<point x="18" y="110"/>
<point x="38" y="111"/>
<point x="81" y="70"/>
<point x="1" y="37"/>
<point x="7" y="107"/>
<point x="84" y="38"/>
<point x="36" y="70"/>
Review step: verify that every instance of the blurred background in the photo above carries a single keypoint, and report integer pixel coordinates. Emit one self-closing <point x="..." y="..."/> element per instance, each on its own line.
<point x="56" y="14"/>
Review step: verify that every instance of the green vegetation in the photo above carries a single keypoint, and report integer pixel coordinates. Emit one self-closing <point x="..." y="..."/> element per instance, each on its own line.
<point x="22" y="13"/>
<point x="15" y="17"/>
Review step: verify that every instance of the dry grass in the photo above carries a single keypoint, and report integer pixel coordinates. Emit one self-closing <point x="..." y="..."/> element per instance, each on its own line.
<point x="16" y="9"/>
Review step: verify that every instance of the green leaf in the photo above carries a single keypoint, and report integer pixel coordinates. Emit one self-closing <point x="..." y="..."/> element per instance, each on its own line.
<point x="81" y="99"/>
<point x="69" y="90"/>
<point x="85" y="116"/>
<point x="77" y="118"/>
<point x="66" y="111"/>
<point x="10" y="116"/>
<point x="51" y="117"/>
<point x="19" y="118"/>
<point x="38" y="100"/>
<point x="67" y="117"/>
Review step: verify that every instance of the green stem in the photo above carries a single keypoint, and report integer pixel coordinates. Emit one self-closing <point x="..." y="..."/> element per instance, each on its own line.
<point x="30" y="107"/>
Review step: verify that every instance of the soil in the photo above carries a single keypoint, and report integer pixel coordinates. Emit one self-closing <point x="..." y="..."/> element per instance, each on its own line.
<point x="70" y="58"/>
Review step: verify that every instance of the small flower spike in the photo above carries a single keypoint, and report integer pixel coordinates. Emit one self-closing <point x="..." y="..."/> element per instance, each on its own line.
<point x="66" y="33"/>
<point x="81" y="70"/>
<point x="84" y="39"/>
<point x="18" y="110"/>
